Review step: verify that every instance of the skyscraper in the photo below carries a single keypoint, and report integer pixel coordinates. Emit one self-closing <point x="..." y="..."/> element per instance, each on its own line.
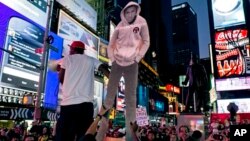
<point x="185" y="34"/>
<point x="158" y="15"/>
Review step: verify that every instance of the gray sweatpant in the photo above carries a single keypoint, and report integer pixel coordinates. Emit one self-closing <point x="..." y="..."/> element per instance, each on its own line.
<point x="130" y="74"/>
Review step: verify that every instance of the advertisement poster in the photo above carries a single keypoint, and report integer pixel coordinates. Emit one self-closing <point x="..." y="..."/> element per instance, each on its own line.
<point x="120" y="100"/>
<point x="232" y="53"/>
<point x="70" y="30"/>
<point x="227" y="13"/>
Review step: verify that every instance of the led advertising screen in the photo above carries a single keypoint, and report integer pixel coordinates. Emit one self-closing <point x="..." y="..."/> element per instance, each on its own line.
<point x="142" y="94"/>
<point x="232" y="53"/>
<point x="228" y="84"/>
<point x="22" y="40"/>
<point x="227" y="13"/>
<point x="120" y="99"/>
<point x="82" y="10"/>
<point x="35" y="10"/>
<point x="243" y="105"/>
<point x="71" y="30"/>
<point x="52" y="80"/>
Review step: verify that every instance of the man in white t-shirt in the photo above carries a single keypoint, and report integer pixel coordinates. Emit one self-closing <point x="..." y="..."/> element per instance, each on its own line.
<point x="77" y="78"/>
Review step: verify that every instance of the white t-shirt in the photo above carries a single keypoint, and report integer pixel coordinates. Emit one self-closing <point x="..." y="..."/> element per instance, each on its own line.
<point x="78" y="85"/>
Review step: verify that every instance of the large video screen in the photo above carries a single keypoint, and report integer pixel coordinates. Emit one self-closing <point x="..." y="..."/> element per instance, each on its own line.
<point x="23" y="40"/>
<point x="243" y="105"/>
<point x="52" y="80"/>
<point x="82" y="10"/>
<point x="142" y="94"/>
<point x="71" y="30"/>
<point x="35" y="10"/>
<point x="227" y="13"/>
<point x="232" y="53"/>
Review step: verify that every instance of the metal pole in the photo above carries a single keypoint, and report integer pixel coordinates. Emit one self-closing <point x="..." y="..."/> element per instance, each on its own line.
<point x="44" y="63"/>
<point x="182" y="96"/>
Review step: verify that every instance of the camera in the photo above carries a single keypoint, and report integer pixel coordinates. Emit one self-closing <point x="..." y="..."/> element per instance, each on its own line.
<point x="218" y="137"/>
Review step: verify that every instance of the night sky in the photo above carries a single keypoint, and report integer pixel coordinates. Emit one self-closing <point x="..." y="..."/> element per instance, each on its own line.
<point x="200" y="7"/>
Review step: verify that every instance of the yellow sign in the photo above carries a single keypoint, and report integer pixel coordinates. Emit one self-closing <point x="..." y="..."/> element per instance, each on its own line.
<point x="171" y="99"/>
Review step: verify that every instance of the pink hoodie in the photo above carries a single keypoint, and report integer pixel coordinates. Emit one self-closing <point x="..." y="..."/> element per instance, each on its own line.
<point x="129" y="42"/>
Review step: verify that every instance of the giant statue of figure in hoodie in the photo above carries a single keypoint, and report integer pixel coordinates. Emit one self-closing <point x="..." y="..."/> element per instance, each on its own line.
<point x="127" y="46"/>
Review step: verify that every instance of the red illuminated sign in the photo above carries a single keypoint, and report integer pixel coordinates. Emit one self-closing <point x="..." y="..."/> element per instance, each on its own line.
<point x="169" y="87"/>
<point x="232" y="53"/>
<point x="172" y="88"/>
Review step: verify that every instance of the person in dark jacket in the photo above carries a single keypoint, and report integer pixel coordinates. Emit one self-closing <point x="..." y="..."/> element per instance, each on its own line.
<point x="197" y="77"/>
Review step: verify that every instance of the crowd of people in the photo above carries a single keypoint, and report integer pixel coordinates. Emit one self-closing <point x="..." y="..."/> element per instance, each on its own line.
<point x="218" y="130"/>
<point x="160" y="133"/>
<point x="20" y="133"/>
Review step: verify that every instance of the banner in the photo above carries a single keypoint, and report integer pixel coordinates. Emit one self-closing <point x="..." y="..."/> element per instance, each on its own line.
<point x="26" y="113"/>
<point x="11" y="113"/>
<point x="141" y="116"/>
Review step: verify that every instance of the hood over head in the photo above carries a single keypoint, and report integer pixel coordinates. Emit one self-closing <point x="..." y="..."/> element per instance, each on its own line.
<point x="128" y="5"/>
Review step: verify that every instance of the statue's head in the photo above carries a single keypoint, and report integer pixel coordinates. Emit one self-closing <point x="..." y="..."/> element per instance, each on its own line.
<point x="193" y="59"/>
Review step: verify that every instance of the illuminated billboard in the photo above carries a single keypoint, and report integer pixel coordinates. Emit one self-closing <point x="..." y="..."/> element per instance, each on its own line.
<point x="71" y="30"/>
<point x="23" y="40"/>
<point x="243" y="105"/>
<point x="142" y="94"/>
<point x="34" y="10"/>
<point x="82" y="10"/>
<point x="227" y="84"/>
<point x="227" y="13"/>
<point x="231" y="50"/>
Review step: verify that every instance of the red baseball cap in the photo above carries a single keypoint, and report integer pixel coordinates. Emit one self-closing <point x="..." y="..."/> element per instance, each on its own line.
<point x="77" y="44"/>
